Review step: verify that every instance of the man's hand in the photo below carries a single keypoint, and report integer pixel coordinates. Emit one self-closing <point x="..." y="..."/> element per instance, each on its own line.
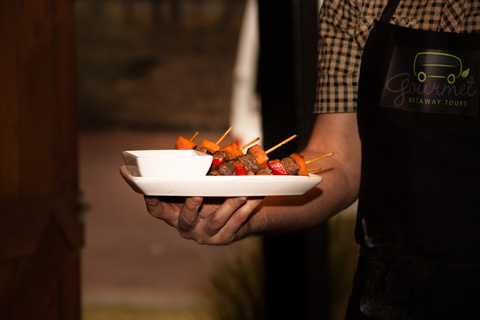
<point x="207" y="221"/>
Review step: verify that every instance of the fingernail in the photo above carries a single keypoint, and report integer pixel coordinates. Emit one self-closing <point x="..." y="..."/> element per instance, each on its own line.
<point x="195" y="200"/>
<point x="240" y="199"/>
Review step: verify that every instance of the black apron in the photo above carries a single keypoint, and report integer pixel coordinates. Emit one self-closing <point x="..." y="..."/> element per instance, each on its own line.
<point x="419" y="210"/>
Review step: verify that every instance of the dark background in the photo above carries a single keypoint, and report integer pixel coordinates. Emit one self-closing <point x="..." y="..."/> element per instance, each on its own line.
<point x="166" y="67"/>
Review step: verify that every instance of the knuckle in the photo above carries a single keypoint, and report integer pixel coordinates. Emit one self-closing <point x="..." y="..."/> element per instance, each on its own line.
<point x="184" y="224"/>
<point x="214" y="227"/>
<point x="216" y="223"/>
<point x="155" y="211"/>
<point x="239" y="218"/>
<point x="185" y="235"/>
<point x="224" y="241"/>
<point x="202" y="241"/>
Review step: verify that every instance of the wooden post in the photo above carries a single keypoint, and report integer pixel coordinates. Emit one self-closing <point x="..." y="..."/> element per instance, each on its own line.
<point x="41" y="234"/>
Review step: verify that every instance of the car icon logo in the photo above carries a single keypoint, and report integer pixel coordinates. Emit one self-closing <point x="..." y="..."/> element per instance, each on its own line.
<point x="438" y="65"/>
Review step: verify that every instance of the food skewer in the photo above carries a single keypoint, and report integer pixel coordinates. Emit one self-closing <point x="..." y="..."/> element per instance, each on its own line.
<point x="241" y="164"/>
<point x="233" y="152"/>
<point x="253" y="160"/>
<point x="194" y="136"/>
<point x="224" y="135"/>
<point x="261" y="157"/>
<point x="232" y="156"/>
<point x="249" y="143"/>
<point x="295" y="164"/>
<point x="319" y="158"/>
<point x="184" y="144"/>
<point x="213" y="147"/>
<point x="208" y="145"/>
<point x="300" y="161"/>
<point x="280" y="144"/>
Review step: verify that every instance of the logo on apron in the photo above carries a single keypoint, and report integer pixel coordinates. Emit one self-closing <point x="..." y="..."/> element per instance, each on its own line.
<point x="433" y="81"/>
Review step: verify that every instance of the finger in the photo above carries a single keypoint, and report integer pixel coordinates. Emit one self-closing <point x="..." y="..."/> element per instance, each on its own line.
<point x="237" y="225"/>
<point x="216" y="221"/>
<point x="154" y="206"/>
<point x="165" y="208"/>
<point x="189" y="213"/>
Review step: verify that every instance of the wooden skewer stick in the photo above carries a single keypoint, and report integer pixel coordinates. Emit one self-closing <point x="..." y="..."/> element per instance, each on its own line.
<point x="194" y="136"/>
<point x="224" y="135"/>
<point x="319" y="158"/>
<point x="280" y="144"/>
<point x="314" y="169"/>
<point x="254" y="140"/>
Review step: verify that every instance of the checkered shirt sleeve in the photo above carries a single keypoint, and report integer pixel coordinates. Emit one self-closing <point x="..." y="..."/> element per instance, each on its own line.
<point x="344" y="26"/>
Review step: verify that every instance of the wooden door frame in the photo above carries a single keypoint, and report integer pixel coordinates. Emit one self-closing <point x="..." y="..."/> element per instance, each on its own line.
<point x="41" y="233"/>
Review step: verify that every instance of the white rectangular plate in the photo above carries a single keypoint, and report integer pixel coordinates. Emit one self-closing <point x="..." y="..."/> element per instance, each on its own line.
<point x="219" y="186"/>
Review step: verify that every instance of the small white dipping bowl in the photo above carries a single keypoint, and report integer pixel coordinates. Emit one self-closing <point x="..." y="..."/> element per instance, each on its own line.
<point x="168" y="163"/>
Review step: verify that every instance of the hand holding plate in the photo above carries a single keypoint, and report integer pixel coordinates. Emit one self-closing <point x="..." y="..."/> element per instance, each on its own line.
<point x="209" y="221"/>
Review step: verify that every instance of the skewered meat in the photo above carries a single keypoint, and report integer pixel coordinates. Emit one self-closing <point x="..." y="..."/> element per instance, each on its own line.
<point x="230" y="159"/>
<point x="300" y="160"/>
<point x="233" y="150"/>
<point x="219" y="157"/>
<point x="266" y="171"/>
<point x="248" y="160"/>
<point x="227" y="168"/>
<point x="260" y="155"/>
<point x="291" y="166"/>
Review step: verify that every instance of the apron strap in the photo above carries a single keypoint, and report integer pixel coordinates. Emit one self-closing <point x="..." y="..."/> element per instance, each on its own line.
<point x="389" y="10"/>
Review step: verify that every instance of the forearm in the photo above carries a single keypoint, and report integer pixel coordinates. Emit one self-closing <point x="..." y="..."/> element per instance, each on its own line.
<point x="291" y="213"/>
<point x="338" y="190"/>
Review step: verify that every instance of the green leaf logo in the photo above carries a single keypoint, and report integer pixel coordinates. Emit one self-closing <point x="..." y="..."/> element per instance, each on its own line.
<point x="465" y="73"/>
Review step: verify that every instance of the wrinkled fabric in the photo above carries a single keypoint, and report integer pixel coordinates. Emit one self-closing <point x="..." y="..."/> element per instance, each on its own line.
<point x="391" y="284"/>
<point x="345" y="26"/>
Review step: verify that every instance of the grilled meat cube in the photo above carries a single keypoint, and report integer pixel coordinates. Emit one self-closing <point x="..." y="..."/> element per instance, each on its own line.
<point x="291" y="166"/>
<point x="249" y="161"/>
<point x="222" y="154"/>
<point x="266" y="171"/>
<point x="227" y="168"/>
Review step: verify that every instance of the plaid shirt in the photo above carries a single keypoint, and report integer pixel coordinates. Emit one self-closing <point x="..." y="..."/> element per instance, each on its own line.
<point x="345" y="26"/>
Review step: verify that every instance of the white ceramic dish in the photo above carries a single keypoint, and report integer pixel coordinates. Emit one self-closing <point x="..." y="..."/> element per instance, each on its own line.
<point x="218" y="186"/>
<point x="168" y="163"/>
